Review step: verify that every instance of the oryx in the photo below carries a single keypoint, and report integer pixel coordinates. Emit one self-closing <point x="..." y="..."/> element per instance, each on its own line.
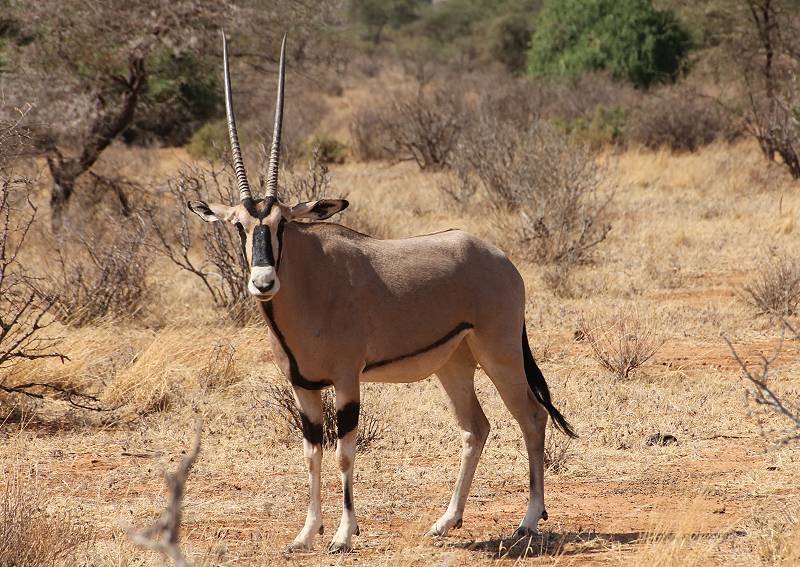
<point x="344" y="308"/>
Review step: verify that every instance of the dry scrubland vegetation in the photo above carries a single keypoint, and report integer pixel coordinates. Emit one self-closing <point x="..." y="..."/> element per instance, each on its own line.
<point x="644" y="248"/>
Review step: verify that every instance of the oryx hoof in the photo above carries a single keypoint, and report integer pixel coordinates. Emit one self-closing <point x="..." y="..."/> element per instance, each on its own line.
<point x="322" y="529"/>
<point x="298" y="547"/>
<point x="440" y="529"/>
<point x="339" y="547"/>
<point x="523" y="532"/>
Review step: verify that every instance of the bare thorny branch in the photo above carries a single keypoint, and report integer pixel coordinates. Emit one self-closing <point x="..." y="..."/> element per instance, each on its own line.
<point x="761" y="392"/>
<point x="164" y="535"/>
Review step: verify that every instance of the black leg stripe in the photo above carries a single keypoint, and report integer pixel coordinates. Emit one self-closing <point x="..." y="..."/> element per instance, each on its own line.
<point x="459" y="329"/>
<point x="347" y="419"/>
<point x="348" y="498"/>
<point x="312" y="432"/>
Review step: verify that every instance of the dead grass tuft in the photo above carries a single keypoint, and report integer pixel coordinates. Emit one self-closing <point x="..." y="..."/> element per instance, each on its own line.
<point x="623" y="345"/>
<point x="775" y="291"/>
<point x="32" y="536"/>
<point x="558" y="451"/>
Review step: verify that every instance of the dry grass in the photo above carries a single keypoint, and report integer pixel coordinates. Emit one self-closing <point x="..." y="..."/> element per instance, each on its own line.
<point x="32" y="535"/>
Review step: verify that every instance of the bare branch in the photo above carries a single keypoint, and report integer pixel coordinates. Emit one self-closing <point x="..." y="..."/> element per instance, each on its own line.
<point x="164" y="535"/>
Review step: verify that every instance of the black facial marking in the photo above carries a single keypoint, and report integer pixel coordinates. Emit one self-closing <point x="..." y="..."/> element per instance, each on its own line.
<point x="348" y="497"/>
<point x="347" y="419"/>
<point x="243" y="238"/>
<point x="250" y="207"/>
<point x="262" y="246"/>
<point x="295" y="377"/>
<point x="460" y="328"/>
<point x="312" y="432"/>
<point x="281" y="226"/>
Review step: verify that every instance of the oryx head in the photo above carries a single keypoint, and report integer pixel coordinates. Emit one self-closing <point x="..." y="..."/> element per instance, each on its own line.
<point x="260" y="222"/>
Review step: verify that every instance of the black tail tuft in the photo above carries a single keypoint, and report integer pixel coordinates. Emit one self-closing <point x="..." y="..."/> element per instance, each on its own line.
<point x="540" y="390"/>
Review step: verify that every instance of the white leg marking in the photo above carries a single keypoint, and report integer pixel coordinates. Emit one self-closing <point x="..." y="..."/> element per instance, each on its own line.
<point x="347" y="408"/>
<point x="310" y="403"/>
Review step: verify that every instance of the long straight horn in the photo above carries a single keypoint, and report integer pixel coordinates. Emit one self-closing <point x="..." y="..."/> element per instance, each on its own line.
<point x="275" y="152"/>
<point x="236" y="151"/>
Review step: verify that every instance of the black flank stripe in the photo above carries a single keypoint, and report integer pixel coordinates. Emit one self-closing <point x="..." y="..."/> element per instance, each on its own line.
<point x="312" y="432"/>
<point x="460" y="328"/>
<point x="294" y="370"/>
<point x="347" y="419"/>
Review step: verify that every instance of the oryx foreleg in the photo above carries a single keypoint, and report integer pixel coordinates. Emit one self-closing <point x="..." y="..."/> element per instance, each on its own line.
<point x="310" y="404"/>
<point x="347" y="409"/>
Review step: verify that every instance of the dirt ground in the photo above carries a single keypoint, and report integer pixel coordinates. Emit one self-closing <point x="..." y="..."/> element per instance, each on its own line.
<point x="688" y="233"/>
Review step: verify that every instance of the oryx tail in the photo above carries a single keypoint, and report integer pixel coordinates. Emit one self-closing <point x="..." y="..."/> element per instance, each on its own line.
<point x="539" y="388"/>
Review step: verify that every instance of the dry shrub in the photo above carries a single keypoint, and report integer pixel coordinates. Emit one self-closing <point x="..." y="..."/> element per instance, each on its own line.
<point x="775" y="291"/>
<point x="558" y="452"/>
<point x="310" y="185"/>
<point x="370" y="138"/>
<point x="220" y="370"/>
<point x="678" y="118"/>
<point x="623" y="345"/>
<point x="421" y="125"/>
<point x="33" y="536"/>
<point x="542" y="189"/>
<point x="302" y="116"/>
<point x="222" y="269"/>
<point x="100" y="275"/>
<point x="280" y="399"/>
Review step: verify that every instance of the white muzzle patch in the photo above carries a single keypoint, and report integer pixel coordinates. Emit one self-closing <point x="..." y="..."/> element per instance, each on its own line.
<point x="263" y="281"/>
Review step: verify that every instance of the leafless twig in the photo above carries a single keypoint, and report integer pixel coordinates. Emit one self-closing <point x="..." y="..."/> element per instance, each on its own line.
<point x="164" y="535"/>
<point x="762" y="394"/>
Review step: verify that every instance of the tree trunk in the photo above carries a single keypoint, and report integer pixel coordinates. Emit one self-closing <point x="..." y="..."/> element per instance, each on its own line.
<point x="109" y="125"/>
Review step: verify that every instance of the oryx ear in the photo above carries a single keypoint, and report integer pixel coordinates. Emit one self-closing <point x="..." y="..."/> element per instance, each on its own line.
<point x="212" y="212"/>
<point x="318" y="210"/>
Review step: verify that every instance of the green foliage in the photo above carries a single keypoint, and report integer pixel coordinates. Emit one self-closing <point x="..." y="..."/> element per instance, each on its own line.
<point x="376" y="15"/>
<point x="488" y="30"/>
<point x="629" y="38"/>
<point x="210" y="140"/>
<point x="181" y="94"/>
<point x="605" y="127"/>
<point x="328" y="149"/>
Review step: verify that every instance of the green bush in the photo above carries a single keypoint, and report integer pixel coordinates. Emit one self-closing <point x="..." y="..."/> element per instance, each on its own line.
<point x="181" y="95"/>
<point x="209" y="141"/>
<point x="328" y="149"/>
<point x="606" y="127"/>
<point x="630" y="38"/>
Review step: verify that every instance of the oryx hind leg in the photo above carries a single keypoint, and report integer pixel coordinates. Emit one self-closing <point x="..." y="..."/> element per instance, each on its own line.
<point x="457" y="382"/>
<point x="504" y="364"/>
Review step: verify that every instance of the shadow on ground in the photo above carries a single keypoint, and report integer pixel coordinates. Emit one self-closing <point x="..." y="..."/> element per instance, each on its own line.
<point x="549" y="543"/>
